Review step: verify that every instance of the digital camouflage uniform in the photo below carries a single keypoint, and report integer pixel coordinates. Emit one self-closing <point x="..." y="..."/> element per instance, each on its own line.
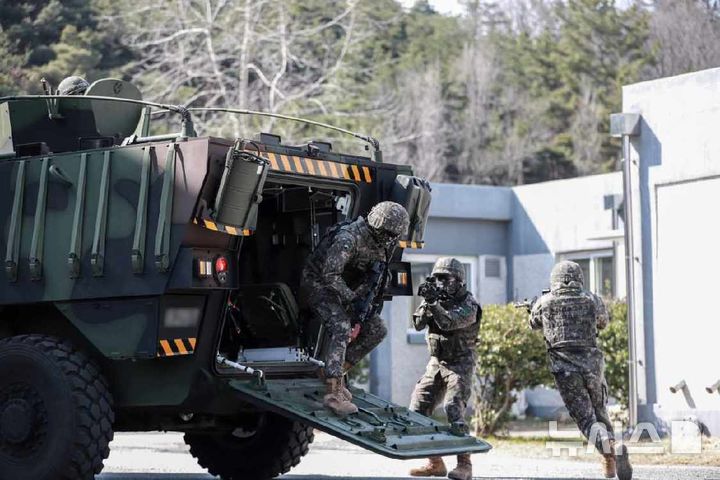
<point x="452" y="317"/>
<point x="453" y="327"/>
<point x="340" y="281"/>
<point x="570" y="318"/>
<point x="340" y="273"/>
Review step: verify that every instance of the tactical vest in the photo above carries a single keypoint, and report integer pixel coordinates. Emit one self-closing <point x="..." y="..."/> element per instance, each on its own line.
<point x="452" y="345"/>
<point x="356" y="272"/>
<point x="331" y="233"/>
<point x="569" y="320"/>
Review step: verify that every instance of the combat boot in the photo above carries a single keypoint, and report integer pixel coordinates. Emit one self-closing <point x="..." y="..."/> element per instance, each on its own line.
<point x="434" y="468"/>
<point x="463" y="471"/>
<point x="624" y="469"/>
<point x="345" y="392"/>
<point x="608" y="462"/>
<point x="334" y="399"/>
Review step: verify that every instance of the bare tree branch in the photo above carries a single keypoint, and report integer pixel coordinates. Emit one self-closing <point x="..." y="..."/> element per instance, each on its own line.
<point x="246" y="53"/>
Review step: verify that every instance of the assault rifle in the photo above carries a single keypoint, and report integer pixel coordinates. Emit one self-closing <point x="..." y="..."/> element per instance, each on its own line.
<point x="369" y="305"/>
<point x="430" y="291"/>
<point x="528" y="304"/>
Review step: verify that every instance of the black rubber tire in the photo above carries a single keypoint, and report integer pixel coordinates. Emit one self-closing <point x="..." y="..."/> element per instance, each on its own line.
<point x="55" y="411"/>
<point x="277" y="445"/>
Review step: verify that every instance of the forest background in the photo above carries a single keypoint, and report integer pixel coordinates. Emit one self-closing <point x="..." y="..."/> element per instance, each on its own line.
<point x="509" y="92"/>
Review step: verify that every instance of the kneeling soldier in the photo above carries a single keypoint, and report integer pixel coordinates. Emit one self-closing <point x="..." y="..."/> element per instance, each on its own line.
<point x="452" y="316"/>
<point x="570" y="318"/>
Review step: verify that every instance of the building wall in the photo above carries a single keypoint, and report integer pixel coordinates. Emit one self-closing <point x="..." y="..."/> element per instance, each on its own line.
<point x="677" y="167"/>
<point x="471" y="201"/>
<point x="676" y="171"/>
<point x="556" y="219"/>
<point x="525" y="228"/>
<point x="469" y="222"/>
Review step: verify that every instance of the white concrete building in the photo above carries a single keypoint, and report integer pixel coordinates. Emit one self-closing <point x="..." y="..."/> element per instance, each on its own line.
<point x="676" y="185"/>
<point x="509" y="238"/>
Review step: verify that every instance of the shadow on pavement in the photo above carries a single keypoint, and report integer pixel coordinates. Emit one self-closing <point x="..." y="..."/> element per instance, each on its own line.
<point x="343" y="477"/>
<point x="154" y="476"/>
<point x="202" y="476"/>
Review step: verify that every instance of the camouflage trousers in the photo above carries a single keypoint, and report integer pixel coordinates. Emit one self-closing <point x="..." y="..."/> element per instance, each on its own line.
<point x="585" y="396"/>
<point x="449" y="383"/>
<point x="338" y="324"/>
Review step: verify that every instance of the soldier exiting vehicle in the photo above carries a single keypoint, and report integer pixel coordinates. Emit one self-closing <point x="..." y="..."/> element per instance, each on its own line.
<point x="339" y="282"/>
<point x="452" y="316"/>
<point x="570" y="318"/>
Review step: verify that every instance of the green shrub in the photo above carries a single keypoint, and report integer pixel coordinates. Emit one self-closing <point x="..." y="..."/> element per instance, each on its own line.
<point x="614" y="343"/>
<point x="511" y="358"/>
<point x="360" y="373"/>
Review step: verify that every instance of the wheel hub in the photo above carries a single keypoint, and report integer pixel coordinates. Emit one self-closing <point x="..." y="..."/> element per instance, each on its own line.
<point x="16" y="421"/>
<point x="23" y="420"/>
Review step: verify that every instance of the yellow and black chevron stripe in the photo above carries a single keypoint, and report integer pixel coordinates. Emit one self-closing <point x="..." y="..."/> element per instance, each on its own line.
<point x="318" y="168"/>
<point x="210" y="225"/>
<point x="411" y="244"/>
<point x="172" y="347"/>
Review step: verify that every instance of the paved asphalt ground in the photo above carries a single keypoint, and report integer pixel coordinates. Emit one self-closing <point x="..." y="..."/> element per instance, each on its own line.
<point x="165" y="457"/>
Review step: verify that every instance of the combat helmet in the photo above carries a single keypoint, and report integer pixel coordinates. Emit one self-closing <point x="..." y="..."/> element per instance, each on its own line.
<point x="73" y="85"/>
<point x="449" y="266"/>
<point x="390" y="218"/>
<point x="566" y="274"/>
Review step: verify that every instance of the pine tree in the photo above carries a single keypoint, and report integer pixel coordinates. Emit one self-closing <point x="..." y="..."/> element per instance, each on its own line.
<point x="53" y="40"/>
<point x="572" y="69"/>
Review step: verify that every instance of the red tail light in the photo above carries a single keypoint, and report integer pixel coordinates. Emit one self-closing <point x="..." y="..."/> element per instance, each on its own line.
<point x="221" y="265"/>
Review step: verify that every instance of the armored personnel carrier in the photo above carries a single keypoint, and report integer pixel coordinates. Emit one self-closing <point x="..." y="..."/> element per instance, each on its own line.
<point x="149" y="283"/>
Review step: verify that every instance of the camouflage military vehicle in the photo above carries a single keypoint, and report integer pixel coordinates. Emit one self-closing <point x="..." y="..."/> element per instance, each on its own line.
<point x="149" y="284"/>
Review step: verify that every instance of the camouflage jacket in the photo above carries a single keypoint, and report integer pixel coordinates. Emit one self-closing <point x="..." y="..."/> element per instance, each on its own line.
<point x="343" y="262"/>
<point x="570" y="319"/>
<point x="453" y="326"/>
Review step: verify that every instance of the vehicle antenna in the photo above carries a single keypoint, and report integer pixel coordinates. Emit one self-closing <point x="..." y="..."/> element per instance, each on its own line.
<point x="372" y="141"/>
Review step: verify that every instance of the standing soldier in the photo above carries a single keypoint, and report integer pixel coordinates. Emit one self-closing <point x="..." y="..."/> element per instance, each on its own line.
<point x="452" y="316"/>
<point x="570" y="318"/>
<point x="343" y="272"/>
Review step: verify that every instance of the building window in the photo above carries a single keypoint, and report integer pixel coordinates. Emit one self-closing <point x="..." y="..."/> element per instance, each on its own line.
<point x="606" y="276"/>
<point x="598" y="269"/>
<point x="492" y="268"/>
<point x="420" y="271"/>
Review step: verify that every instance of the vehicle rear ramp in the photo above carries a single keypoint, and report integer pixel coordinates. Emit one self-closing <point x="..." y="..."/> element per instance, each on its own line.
<point x="379" y="426"/>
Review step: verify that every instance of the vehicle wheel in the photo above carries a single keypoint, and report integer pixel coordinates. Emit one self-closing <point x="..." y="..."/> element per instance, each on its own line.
<point x="270" y="449"/>
<point x="55" y="411"/>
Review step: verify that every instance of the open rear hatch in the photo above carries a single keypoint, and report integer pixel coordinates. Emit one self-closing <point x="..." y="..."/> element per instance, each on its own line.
<point x="379" y="426"/>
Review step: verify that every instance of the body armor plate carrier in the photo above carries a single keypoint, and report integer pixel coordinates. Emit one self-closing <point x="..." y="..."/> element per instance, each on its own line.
<point x="570" y="321"/>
